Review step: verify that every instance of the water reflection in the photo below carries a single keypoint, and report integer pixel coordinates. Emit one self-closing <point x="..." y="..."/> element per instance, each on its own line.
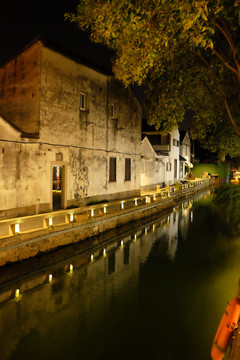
<point x="149" y="294"/>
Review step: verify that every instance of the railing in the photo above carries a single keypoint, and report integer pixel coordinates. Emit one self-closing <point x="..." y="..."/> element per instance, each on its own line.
<point x="28" y="224"/>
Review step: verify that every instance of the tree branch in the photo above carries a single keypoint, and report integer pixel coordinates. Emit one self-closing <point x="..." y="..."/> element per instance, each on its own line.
<point x="223" y="94"/>
<point x="224" y="62"/>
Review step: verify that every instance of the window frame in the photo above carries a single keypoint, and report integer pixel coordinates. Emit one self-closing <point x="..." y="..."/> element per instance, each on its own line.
<point x="112" y="169"/>
<point x="112" y="111"/>
<point x="128" y="169"/>
<point x="82" y="103"/>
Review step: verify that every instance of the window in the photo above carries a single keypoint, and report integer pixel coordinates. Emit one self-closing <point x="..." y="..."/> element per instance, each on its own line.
<point x="175" y="168"/>
<point x="175" y="142"/>
<point x="127" y="169"/>
<point x="82" y="101"/>
<point x="168" y="166"/>
<point x="112" y="169"/>
<point x="112" y="111"/>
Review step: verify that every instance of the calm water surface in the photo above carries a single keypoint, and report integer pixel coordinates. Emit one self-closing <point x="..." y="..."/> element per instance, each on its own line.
<point x="157" y="293"/>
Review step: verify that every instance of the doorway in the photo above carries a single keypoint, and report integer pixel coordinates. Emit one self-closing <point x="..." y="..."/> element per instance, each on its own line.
<point x="57" y="187"/>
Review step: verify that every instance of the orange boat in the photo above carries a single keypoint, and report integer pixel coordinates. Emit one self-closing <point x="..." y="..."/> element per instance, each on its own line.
<point x="225" y="329"/>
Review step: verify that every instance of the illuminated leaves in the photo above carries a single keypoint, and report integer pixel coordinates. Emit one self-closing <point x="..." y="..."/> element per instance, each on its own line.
<point x="186" y="51"/>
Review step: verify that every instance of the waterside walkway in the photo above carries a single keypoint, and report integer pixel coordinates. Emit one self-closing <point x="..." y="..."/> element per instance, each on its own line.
<point x="25" y="237"/>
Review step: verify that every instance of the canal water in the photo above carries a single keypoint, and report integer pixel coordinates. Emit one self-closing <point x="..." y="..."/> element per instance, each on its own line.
<point x="157" y="291"/>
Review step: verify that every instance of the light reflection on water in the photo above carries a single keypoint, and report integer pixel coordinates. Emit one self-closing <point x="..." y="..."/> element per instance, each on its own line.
<point x="156" y="293"/>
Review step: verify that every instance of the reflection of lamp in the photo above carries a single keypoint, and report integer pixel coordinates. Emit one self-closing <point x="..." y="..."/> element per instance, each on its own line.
<point x="58" y="177"/>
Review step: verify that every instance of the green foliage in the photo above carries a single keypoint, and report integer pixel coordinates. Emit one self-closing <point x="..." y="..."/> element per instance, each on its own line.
<point x="222" y="169"/>
<point x="199" y="169"/>
<point x="185" y="52"/>
<point x="226" y="204"/>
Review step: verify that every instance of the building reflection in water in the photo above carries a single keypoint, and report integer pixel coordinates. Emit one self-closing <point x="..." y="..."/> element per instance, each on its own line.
<point x="83" y="287"/>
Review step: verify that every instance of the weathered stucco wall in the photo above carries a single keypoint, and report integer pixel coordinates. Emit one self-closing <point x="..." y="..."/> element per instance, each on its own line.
<point x="153" y="167"/>
<point x="81" y="141"/>
<point x="20" y="88"/>
<point x="26" y="173"/>
<point x="91" y="135"/>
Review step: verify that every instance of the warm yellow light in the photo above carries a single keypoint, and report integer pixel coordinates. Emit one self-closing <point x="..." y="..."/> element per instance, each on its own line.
<point x="121" y="242"/>
<point x="50" y="221"/>
<point x="92" y="212"/>
<point x="122" y="205"/>
<point x="105" y="209"/>
<point x="146" y="199"/>
<point x="104" y="252"/>
<point x="154" y="197"/>
<point x="145" y="230"/>
<point x="50" y="278"/>
<point x="135" y="237"/>
<point x="92" y="257"/>
<point x="71" y="217"/>
<point x="17" y="293"/>
<point x="71" y="268"/>
<point x="17" y="228"/>
<point x="136" y="202"/>
<point x="153" y="227"/>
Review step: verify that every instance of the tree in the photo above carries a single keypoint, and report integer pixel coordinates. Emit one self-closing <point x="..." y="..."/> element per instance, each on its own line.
<point x="186" y="53"/>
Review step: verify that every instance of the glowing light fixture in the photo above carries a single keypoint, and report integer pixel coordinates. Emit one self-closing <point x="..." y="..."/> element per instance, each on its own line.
<point x="71" y="268"/>
<point x="153" y="227"/>
<point x="145" y="230"/>
<point x="122" y="205"/>
<point x="50" y="278"/>
<point x="92" y="257"/>
<point x="17" y="228"/>
<point x="92" y="212"/>
<point x="50" y="221"/>
<point x="71" y="217"/>
<point x="104" y="209"/>
<point x="17" y="293"/>
<point x="136" y="202"/>
<point x="122" y="243"/>
<point x="154" y="197"/>
<point x="135" y="237"/>
<point x="104" y="252"/>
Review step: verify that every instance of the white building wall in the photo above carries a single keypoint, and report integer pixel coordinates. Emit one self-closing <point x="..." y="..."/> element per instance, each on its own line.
<point x="153" y="168"/>
<point x="171" y="176"/>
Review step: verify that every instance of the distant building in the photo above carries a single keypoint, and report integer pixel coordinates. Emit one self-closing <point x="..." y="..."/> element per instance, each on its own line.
<point x="185" y="150"/>
<point x="69" y="134"/>
<point x="161" y="162"/>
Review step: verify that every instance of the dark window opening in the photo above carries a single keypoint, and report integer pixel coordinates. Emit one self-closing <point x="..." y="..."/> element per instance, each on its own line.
<point x="112" y="169"/>
<point x="127" y="169"/>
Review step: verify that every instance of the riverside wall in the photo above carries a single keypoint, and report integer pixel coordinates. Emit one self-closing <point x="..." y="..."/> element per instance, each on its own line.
<point x="21" y="246"/>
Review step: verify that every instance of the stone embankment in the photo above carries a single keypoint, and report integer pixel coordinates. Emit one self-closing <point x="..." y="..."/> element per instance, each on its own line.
<point x="29" y="236"/>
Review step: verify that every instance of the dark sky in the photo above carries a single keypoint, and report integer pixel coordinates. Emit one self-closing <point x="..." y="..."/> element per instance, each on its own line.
<point x="23" y="20"/>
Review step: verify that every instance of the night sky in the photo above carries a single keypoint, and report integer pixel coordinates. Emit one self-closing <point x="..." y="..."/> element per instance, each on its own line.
<point x="22" y="20"/>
